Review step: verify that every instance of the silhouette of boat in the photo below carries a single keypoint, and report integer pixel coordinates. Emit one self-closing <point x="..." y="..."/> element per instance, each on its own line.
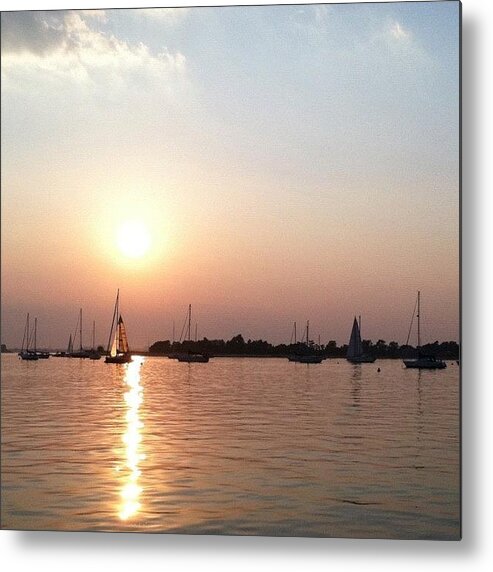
<point x="93" y="354"/>
<point x="190" y="357"/>
<point x="355" y="352"/>
<point x="193" y="358"/>
<point x="81" y="352"/>
<point x="423" y="361"/>
<point x="26" y="353"/>
<point x="307" y="356"/>
<point x="118" y="350"/>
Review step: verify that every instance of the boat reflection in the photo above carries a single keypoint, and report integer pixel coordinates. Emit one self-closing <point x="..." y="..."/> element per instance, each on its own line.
<point x="131" y="490"/>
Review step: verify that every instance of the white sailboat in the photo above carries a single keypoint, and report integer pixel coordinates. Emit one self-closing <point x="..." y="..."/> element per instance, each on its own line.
<point x="424" y="361"/>
<point x="355" y="352"/>
<point x="118" y="349"/>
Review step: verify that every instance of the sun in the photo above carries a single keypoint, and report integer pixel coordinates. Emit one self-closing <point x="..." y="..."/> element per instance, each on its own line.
<point x="133" y="239"/>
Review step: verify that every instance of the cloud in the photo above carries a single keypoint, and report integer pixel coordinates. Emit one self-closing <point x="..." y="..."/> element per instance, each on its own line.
<point x="398" y="32"/>
<point x="34" y="32"/>
<point x="65" y="45"/>
<point x="169" y="16"/>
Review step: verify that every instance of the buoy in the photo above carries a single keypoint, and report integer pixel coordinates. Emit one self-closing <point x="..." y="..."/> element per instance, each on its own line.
<point x="378" y="369"/>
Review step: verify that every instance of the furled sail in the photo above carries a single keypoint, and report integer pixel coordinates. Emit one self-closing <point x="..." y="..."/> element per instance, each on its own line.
<point x="122" y="337"/>
<point x="70" y="345"/>
<point x="355" y="348"/>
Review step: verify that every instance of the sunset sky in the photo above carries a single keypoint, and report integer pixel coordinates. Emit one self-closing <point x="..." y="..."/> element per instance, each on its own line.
<point x="265" y="164"/>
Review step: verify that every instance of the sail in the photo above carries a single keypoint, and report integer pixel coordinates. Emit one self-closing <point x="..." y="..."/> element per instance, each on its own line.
<point x="70" y="345"/>
<point x="355" y="348"/>
<point x="113" y="350"/>
<point x="122" y="337"/>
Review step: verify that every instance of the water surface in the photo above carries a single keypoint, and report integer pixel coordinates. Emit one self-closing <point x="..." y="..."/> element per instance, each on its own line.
<point x="235" y="446"/>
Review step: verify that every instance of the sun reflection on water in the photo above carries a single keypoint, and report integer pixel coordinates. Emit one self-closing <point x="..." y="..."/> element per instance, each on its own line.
<point x="131" y="490"/>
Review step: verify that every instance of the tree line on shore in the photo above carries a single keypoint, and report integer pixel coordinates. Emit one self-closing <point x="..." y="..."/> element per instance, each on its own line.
<point x="238" y="346"/>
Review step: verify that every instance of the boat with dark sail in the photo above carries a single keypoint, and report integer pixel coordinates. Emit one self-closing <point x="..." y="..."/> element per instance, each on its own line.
<point x="26" y="353"/>
<point x="423" y="361"/>
<point x="118" y="350"/>
<point x="355" y="353"/>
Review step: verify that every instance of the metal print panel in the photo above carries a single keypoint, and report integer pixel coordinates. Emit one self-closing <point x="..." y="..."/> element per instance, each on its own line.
<point x="230" y="270"/>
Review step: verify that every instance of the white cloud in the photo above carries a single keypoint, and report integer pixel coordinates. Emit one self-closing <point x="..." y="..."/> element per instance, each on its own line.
<point x="398" y="32"/>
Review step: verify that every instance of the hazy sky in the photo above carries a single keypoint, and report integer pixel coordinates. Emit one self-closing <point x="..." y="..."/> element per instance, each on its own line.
<point x="288" y="162"/>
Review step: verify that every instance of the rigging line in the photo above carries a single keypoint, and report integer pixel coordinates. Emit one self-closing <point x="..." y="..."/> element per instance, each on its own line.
<point x="76" y="329"/>
<point x="30" y="339"/>
<point x="24" y="336"/>
<point x="184" y="327"/>
<point x="412" y="321"/>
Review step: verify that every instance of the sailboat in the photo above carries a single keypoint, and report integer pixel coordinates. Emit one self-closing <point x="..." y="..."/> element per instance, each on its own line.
<point x="118" y="350"/>
<point x="81" y="352"/>
<point x="70" y="349"/>
<point x="355" y="348"/>
<point x="190" y="356"/>
<point x="424" y="361"/>
<point x="40" y="354"/>
<point x="93" y="354"/>
<point x="26" y="353"/>
<point x="293" y="357"/>
<point x="306" y="357"/>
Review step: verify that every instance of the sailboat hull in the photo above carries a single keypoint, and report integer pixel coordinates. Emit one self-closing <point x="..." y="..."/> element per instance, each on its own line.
<point x="424" y="364"/>
<point x="120" y="358"/>
<point x="28" y="356"/>
<point x="309" y="359"/>
<point x="361" y="359"/>
<point x="193" y="358"/>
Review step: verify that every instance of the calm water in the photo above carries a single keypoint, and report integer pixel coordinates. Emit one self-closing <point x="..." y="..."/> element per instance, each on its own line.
<point x="238" y="446"/>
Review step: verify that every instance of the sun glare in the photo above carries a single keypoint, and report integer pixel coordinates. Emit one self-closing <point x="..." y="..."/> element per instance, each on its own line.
<point x="133" y="239"/>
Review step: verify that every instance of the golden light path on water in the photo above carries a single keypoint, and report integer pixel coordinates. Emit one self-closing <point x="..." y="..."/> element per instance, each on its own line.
<point x="131" y="490"/>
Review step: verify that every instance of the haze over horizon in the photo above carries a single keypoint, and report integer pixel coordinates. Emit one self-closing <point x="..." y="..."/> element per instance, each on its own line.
<point x="266" y="164"/>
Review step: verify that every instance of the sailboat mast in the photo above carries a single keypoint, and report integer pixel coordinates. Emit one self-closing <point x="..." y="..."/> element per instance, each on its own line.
<point x="117" y="323"/>
<point x="195" y="331"/>
<point x="307" y="330"/>
<point x="295" y="341"/>
<point x="93" y="334"/>
<point x="35" y="332"/>
<point x="173" y="333"/>
<point x="189" y="320"/>
<point x="80" y="329"/>
<point x="28" y="333"/>
<point x="419" y="320"/>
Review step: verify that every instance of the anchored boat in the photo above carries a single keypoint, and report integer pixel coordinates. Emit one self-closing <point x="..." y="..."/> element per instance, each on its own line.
<point x="190" y="357"/>
<point x="355" y="352"/>
<point x="26" y="353"/>
<point x="423" y="361"/>
<point x="307" y="356"/>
